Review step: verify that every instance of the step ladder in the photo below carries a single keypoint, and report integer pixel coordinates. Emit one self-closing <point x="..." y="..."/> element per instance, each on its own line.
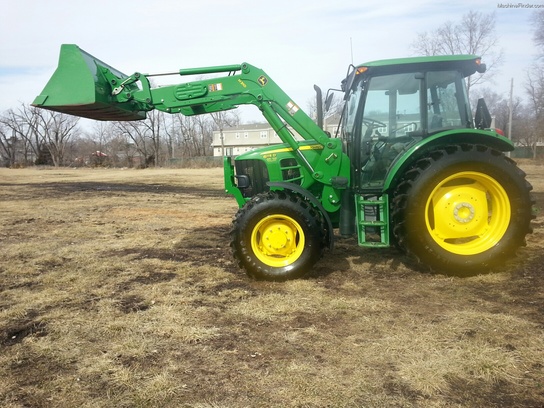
<point x="372" y="220"/>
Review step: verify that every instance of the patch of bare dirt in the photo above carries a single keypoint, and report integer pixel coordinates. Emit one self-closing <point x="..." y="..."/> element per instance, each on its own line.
<point x="124" y="305"/>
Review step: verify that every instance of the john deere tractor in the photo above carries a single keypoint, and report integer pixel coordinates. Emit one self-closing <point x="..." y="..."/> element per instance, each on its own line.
<point x="410" y="166"/>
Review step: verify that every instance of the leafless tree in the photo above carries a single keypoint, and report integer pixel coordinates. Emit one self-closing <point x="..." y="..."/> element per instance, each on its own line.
<point x="121" y="150"/>
<point x="146" y="136"/>
<point x="102" y="132"/>
<point x="195" y="132"/>
<point x="534" y="88"/>
<point x="7" y="146"/>
<point x="55" y="130"/>
<point x="37" y="130"/>
<point x="537" y="20"/>
<point x="51" y="137"/>
<point x="224" y="120"/>
<point x="474" y="34"/>
<point x="18" y="125"/>
<point x="93" y="146"/>
<point x="170" y="134"/>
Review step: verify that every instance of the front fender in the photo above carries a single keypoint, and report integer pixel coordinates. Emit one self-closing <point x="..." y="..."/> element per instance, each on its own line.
<point x="458" y="136"/>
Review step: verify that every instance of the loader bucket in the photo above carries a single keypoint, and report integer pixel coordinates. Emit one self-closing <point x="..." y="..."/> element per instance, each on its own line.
<point x="78" y="87"/>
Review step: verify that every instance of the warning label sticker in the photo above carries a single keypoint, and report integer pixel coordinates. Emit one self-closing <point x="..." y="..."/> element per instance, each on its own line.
<point x="215" y="87"/>
<point x="292" y="108"/>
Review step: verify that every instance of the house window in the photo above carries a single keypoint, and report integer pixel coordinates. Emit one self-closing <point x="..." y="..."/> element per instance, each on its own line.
<point x="237" y="135"/>
<point x="246" y="135"/>
<point x="264" y="134"/>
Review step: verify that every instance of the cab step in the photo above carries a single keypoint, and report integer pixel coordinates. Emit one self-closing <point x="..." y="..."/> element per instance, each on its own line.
<point x="372" y="220"/>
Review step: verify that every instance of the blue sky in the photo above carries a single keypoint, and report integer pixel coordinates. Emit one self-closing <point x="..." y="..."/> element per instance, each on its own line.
<point x="298" y="43"/>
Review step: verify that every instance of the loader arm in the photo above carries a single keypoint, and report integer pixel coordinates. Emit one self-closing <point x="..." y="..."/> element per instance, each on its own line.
<point x="243" y="84"/>
<point x="106" y="94"/>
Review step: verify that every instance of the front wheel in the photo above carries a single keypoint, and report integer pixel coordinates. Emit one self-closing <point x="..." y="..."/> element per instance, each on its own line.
<point x="462" y="209"/>
<point x="277" y="236"/>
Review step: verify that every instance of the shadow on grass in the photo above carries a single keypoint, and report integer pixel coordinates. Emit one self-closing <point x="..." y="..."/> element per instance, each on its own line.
<point x="68" y="188"/>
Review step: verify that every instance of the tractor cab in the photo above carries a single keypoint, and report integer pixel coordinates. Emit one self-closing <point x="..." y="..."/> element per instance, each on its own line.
<point x="393" y="104"/>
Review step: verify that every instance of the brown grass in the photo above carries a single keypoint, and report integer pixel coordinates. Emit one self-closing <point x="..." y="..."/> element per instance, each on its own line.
<point x="117" y="289"/>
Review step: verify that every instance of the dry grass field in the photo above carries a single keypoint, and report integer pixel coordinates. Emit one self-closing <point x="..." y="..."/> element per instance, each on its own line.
<point x="118" y="289"/>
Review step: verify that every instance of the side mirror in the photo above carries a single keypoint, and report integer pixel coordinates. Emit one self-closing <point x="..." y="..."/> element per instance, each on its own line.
<point x="481" y="68"/>
<point x="482" y="118"/>
<point x="328" y="101"/>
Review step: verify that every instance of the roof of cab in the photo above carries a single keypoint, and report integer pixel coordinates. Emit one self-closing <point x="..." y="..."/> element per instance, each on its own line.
<point x="468" y="64"/>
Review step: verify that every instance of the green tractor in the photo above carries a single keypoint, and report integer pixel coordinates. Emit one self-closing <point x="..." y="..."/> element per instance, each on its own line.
<point x="409" y="166"/>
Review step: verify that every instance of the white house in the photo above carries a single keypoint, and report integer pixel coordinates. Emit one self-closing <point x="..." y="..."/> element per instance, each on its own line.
<point x="244" y="138"/>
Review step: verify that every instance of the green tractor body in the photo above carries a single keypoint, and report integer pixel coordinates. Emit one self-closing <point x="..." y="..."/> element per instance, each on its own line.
<point x="411" y="166"/>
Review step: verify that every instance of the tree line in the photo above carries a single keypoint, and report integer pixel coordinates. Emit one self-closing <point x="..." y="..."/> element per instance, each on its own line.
<point x="34" y="136"/>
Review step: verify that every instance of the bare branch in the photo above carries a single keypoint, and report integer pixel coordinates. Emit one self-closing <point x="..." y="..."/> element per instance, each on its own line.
<point x="474" y="34"/>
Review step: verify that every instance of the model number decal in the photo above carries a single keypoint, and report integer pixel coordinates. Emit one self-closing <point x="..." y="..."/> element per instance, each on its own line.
<point x="270" y="157"/>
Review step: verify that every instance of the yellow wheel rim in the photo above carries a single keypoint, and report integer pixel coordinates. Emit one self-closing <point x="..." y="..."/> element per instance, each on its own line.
<point x="277" y="240"/>
<point x="467" y="213"/>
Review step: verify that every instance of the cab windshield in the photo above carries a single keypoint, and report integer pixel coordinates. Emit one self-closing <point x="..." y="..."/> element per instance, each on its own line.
<point x="407" y="104"/>
<point x="386" y="113"/>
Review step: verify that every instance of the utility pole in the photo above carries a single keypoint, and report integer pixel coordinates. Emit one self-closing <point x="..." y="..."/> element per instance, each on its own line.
<point x="351" y="48"/>
<point x="510" y="109"/>
<point x="13" y="146"/>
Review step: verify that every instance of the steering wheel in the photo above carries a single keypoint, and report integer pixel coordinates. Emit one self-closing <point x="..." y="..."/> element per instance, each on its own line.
<point x="405" y="126"/>
<point x="371" y="125"/>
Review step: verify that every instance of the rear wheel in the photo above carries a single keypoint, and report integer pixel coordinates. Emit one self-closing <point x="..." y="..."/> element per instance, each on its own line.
<point x="462" y="209"/>
<point x="277" y="236"/>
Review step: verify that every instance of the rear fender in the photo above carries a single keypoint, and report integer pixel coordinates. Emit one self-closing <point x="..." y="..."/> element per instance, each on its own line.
<point x="459" y="136"/>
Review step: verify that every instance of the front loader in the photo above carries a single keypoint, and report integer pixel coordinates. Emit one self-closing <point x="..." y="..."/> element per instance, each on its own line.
<point x="409" y="167"/>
